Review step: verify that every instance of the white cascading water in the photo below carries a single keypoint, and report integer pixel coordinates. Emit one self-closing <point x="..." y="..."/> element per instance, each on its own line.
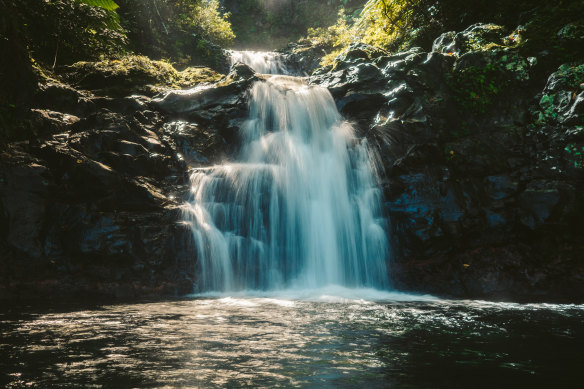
<point x="301" y="207"/>
<point x="260" y="61"/>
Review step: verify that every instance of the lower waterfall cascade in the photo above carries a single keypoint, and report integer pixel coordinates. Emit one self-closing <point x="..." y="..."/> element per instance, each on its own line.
<point x="301" y="206"/>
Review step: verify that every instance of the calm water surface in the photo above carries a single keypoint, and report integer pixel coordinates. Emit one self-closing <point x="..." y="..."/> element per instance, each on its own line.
<point x="315" y="340"/>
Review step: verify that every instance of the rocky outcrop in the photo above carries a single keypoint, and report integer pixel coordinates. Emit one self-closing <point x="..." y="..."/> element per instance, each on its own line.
<point x="134" y="75"/>
<point x="91" y="205"/>
<point x="481" y="164"/>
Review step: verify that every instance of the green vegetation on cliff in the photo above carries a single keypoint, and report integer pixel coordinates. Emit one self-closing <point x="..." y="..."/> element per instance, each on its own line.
<point x="187" y="32"/>
<point x="397" y="25"/>
<point x="40" y="38"/>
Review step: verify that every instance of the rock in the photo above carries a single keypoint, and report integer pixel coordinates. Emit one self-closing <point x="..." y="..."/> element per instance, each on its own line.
<point x="135" y="75"/>
<point x="457" y="144"/>
<point x="24" y="198"/>
<point x="302" y="60"/>
<point x="63" y="98"/>
<point x="561" y="99"/>
<point x="193" y="144"/>
<point x="90" y="205"/>
<point x="226" y="94"/>
<point x="46" y="123"/>
<point x="478" y="37"/>
<point x="571" y="32"/>
<point x="511" y="63"/>
<point x="500" y="187"/>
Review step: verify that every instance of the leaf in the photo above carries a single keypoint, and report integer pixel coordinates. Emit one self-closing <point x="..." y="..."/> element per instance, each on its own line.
<point x="108" y="5"/>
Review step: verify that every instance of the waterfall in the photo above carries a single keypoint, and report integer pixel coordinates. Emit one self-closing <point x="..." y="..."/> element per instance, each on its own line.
<point x="301" y="206"/>
<point x="260" y="61"/>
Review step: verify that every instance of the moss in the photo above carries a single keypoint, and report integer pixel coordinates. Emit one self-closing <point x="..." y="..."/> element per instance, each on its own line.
<point x="128" y="70"/>
<point x="135" y="74"/>
<point x="197" y="75"/>
<point x="483" y="37"/>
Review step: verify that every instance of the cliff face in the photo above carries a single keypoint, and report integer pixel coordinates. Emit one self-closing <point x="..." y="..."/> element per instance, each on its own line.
<point x="91" y="206"/>
<point x="479" y="148"/>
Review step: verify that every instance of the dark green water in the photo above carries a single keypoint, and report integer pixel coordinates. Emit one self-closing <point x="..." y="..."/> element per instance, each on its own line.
<point x="281" y="342"/>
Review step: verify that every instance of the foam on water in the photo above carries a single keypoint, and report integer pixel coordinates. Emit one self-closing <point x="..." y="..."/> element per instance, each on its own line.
<point x="328" y="293"/>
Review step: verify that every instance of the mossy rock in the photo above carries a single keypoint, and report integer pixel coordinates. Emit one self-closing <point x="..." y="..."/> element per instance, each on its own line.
<point x="197" y="75"/>
<point x="357" y="53"/>
<point x="134" y="74"/>
<point x="560" y="100"/>
<point x="478" y="37"/>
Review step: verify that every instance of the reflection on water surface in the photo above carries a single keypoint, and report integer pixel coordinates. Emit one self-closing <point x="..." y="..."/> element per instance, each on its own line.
<point x="277" y="341"/>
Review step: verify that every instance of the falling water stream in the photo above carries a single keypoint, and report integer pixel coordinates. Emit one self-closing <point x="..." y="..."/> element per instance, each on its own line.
<point x="261" y="61"/>
<point x="300" y="208"/>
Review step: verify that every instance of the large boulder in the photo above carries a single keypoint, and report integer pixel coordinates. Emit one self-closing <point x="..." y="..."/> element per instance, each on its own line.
<point x="134" y="75"/>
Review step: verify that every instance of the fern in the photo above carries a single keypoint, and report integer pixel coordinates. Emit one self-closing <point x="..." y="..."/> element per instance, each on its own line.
<point x="108" y="5"/>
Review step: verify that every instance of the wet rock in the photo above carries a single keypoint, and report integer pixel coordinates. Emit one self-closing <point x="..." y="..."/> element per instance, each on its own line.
<point x="465" y="170"/>
<point x="193" y="144"/>
<point x="500" y="187"/>
<point x="91" y="205"/>
<point x="478" y="37"/>
<point x="302" y="59"/>
<point x="227" y="94"/>
<point x="24" y="197"/>
<point x="46" y="123"/>
<point x="63" y="98"/>
<point x="571" y="32"/>
<point x="561" y="99"/>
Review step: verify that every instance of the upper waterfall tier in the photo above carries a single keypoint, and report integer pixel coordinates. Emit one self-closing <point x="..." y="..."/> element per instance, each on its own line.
<point x="260" y="61"/>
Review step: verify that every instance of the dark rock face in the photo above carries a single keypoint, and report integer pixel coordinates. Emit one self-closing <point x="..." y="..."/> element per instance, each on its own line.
<point x="92" y="206"/>
<point x="482" y="169"/>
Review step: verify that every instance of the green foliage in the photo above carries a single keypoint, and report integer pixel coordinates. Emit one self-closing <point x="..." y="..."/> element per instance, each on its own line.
<point x="60" y="32"/>
<point x="566" y="83"/>
<point x="215" y="26"/>
<point x="108" y="5"/>
<point x="476" y="88"/>
<point x="400" y="24"/>
<point x="185" y="31"/>
<point x="134" y="74"/>
<point x="575" y="155"/>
